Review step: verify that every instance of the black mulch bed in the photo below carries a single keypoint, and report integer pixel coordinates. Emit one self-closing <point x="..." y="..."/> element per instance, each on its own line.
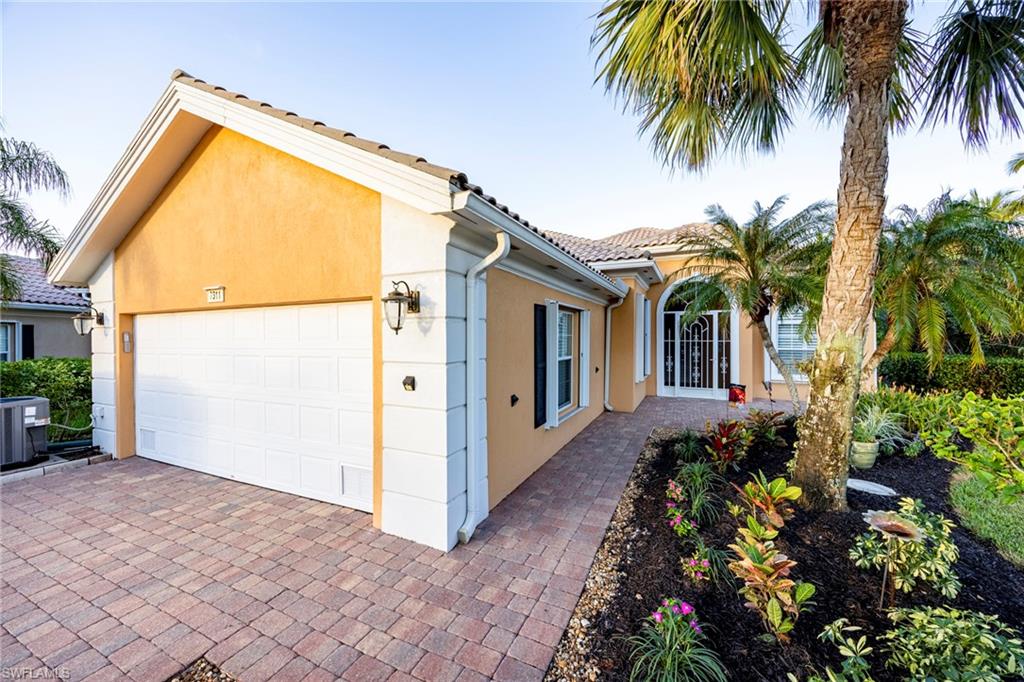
<point x="820" y="543"/>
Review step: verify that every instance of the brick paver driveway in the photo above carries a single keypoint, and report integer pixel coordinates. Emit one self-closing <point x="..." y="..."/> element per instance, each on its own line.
<point x="135" y="569"/>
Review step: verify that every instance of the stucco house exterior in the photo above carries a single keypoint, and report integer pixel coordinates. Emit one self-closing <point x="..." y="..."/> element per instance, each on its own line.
<point x="244" y="258"/>
<point x="37" y="323"/>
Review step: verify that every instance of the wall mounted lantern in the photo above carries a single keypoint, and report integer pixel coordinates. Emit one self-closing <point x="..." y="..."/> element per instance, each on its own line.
<point x="398" y="303"/>
<point x="86" y="320"/>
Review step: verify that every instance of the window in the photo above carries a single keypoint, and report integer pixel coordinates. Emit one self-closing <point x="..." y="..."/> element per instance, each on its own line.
<point x="641" y="337"/>
<point x="789" y="340"/>
<point x="561" y="362"/>
<point x="7" y="337"/>
<point x="566" y="320"/>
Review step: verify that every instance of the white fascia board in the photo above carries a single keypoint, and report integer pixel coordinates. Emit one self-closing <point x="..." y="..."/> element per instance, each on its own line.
<point x="469" y="205"/>
<point x="76" y="262"/>
<point x="50" y="307"/>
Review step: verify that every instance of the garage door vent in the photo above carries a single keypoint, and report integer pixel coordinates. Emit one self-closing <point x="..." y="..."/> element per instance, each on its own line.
<point x="355" y="482"/>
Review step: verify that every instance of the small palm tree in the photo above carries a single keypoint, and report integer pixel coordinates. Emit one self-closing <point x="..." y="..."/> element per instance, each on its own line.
<point x="25" y="168"/>
<point x="708" y="76"/>
<point x="953" y="263"/>
<point x="765" y="264"/>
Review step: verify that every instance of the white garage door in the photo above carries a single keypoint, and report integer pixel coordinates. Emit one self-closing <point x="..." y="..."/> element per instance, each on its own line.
<point x="278" y="397"/>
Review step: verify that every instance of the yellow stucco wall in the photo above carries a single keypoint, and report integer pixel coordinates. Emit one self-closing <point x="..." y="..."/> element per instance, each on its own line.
<point x="270" y="228"/>
<point x="625" y="393"/>
<point x="515" y="449"/>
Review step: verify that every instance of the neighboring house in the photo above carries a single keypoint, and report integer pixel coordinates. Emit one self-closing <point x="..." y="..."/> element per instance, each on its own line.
<point x="38" y="324"/>
<point x="243" y="258"/>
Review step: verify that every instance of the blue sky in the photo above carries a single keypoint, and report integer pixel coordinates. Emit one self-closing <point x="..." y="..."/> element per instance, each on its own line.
<point x="504" y="92"/>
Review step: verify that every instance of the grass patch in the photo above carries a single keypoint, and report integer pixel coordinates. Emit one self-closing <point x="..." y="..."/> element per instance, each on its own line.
<point x="989" y="517"/>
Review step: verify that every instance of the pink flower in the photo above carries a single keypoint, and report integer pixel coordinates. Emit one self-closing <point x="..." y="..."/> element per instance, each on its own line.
<point x="696" y="626"/>
<point x="664" y="602"/>
<point x="657" y="616"/>
<point x="687" y="609"/>
<point x="699" y="575"/>
<point x="705" y="563"/>
<point x="670" y="505"/>
<point x="676" y="610"/>
<point x="693" y="562"/>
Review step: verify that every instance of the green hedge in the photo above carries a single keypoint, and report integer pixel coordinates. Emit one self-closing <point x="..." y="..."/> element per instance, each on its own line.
<point x="998" y="376"/>
<point x="67" y="382"/>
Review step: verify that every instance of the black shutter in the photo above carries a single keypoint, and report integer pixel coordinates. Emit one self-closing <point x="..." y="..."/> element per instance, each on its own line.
<point x="28" y="341"/>
<point x="540" y="365"/>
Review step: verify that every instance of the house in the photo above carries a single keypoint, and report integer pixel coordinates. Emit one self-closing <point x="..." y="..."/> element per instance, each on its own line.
<point x="292" y="306"/>
<point x="38" y="323"/>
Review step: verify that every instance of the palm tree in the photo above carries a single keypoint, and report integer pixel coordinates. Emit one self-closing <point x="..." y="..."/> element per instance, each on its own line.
<point x="953" y="263"/>
<point x="707" y="76"/>
<point x="23" y="169"/>
<point x="765" y="264"/>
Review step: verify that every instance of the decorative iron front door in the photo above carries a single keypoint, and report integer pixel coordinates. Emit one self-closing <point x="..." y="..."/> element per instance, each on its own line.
<point x="696" y="356"/>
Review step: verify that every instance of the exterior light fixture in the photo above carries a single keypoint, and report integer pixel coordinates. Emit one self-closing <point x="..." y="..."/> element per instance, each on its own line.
<point x="398" y="303"/>
<point x="86" y="320"/>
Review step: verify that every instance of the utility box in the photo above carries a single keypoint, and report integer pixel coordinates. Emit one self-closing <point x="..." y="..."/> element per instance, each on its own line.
<point x="23" y="422"/>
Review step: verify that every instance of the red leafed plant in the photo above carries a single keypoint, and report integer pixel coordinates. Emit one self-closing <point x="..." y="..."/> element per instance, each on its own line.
<point x="727" y="442"/>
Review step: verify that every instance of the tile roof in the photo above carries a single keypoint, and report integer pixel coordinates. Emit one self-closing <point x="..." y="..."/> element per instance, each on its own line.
<point x="457" y="178"/>
<point x="35" y="289"/>
<point x="593" y="250"/>
<point x="653" y="236"/>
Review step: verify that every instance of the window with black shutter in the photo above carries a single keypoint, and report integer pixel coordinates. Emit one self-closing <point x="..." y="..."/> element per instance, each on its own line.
<point x="28" y="341"/>
<point x="540" y="366"/>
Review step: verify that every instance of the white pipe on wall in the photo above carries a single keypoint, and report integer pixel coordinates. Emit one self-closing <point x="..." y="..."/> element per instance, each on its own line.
<point x="472" y="369"/>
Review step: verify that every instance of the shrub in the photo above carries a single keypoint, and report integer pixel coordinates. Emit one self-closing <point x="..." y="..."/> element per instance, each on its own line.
<point x="940" y="643"/>
<point x="67" y="382"/>
<point x="855" y="667"/>
<point x="671" y="647"/>
<point x="728" y="442"/>
<point x="688" y="447"/>
<point x="698" y="481"/>
<point x="878" y="425"/>
<point x="918" y="412"/>
<point x="764" y="428"/>
<point x="769" y="500"/>
<point x="767" y="587"/>
<point x="995" y="428"/>
<point x="929" y="559"/>
<point x="998" y="376"/>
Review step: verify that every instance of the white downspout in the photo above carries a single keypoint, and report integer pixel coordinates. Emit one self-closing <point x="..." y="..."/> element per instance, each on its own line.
<point x="472" y="369"/>
<point x="608" y="350"/>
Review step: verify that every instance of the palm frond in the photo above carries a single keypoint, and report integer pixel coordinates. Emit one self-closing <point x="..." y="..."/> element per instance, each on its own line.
<point x="24" y="167"/>
<point x="21" y="231"/>
<point x="977" y="69"/>
<point x="702" y="76"/>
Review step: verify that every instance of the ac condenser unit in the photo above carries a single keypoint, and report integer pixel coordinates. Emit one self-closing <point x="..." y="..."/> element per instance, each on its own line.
<point x="23" y="422"/>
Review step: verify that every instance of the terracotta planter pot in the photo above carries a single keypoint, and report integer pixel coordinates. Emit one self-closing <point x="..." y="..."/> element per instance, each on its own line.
<point x="863" y="455"/>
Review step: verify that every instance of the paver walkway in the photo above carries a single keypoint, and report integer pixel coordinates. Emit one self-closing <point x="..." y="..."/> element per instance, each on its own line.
<point x="135" y="569"/>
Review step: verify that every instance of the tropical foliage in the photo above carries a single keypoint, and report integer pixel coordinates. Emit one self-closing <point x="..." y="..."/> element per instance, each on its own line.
<point x="998" y="376"/>
<point x="706" y="77"/>
<point x="672" y="647"/>
<point x="763" y="265"/>
<point x="952" y="264"/>
<point x="24" y="168"/>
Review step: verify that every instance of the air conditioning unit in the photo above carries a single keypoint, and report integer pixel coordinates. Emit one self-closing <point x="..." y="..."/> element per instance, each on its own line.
<point x="23" y="422"/>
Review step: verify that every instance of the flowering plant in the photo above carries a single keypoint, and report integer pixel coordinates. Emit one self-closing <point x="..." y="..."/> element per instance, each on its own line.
<point x="697" y="565"/>
<point x="672" y="646"/>
<point x="676" y="510"/>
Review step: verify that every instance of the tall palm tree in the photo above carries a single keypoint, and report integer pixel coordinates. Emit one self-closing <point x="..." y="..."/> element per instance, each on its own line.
<point x="763" y="265"/>
<point x="707" y="76"/>
<point x="25" y="168"/>
<point x="953" y="263"/>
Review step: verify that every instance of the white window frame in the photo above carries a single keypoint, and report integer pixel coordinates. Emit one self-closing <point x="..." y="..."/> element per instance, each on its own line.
<point x="641" y="337"/>
<point x="581" y="387"/>
<point x="771" y="372"/>
<point x="13" y="340"/>
<point x="646" y="338"/>
<point x="569" y="356"/>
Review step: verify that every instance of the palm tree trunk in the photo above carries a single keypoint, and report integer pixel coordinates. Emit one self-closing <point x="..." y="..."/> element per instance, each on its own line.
<point x="887" y="343"/>
<point x="773" y="354"/>
<point x="870" y="32"/>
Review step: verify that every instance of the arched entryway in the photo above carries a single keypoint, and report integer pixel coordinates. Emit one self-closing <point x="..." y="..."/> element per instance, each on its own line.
<point x="699" y="359"/>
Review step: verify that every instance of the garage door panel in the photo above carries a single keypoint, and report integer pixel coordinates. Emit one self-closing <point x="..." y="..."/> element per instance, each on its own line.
<point x="278" y="397"/>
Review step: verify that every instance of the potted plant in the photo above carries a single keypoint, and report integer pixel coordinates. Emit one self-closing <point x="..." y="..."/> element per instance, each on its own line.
<point x="875" y="428"/>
